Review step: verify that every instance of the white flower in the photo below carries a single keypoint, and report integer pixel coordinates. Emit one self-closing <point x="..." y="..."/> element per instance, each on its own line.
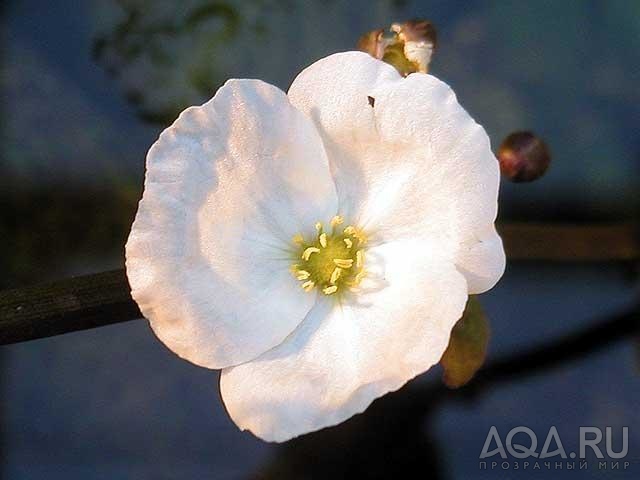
<point x="318" y="246"/>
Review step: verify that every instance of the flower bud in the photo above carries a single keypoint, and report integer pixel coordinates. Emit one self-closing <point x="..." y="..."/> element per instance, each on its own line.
<point x="419" y="40"/>
<point x="523" y="157"/>
<point x="409" y="49"/>
<point x="468" y="344"/>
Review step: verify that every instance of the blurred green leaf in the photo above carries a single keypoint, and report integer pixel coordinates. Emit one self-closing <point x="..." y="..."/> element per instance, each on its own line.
<point x="467" y="347"/>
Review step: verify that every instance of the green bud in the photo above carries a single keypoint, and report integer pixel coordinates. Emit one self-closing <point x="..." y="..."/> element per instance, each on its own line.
<point x="467" y="346"/>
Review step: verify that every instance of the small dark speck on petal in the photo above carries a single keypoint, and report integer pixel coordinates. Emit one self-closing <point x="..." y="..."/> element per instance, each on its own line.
<point x="372" y="101"/>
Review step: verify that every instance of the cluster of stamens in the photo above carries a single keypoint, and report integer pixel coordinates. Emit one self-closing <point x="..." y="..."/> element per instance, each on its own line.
<point x="333" y="261"/>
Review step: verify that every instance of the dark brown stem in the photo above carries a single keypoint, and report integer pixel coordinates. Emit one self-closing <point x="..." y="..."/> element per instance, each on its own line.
<point x="66" y="306"/>
<point x="570" y="243"/>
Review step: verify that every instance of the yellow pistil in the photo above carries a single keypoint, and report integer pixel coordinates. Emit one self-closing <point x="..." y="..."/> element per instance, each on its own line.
<point x="333" y="261"/>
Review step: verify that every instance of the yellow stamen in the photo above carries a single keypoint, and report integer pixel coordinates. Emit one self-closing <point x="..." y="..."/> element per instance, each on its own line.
<point x="308" y="251"/>
<point x="330" y="290"/>
<point x="302" y="275"/>
<point x="323" y="240"/>
<point x="343" y="262"/>
<point x="337" y="220"/>
<point x="335" y="275"/>
<point x="333" y="261"/>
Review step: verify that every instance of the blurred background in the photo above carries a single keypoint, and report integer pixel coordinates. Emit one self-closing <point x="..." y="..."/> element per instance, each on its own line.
<point x="87" y="86"/>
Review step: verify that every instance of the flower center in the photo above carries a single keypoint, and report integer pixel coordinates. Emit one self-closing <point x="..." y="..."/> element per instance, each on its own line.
<point x="333" y="261"/>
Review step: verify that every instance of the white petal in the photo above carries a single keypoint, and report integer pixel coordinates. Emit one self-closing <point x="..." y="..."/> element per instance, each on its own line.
<point x="413" y="164"/>
<point x="342" y="357"/>
<point x="481" y="259"/>
<point x="227" y="186"/>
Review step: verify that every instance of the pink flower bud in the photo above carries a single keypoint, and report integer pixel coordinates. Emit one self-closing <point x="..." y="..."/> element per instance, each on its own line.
<point x="523" y="157"/>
